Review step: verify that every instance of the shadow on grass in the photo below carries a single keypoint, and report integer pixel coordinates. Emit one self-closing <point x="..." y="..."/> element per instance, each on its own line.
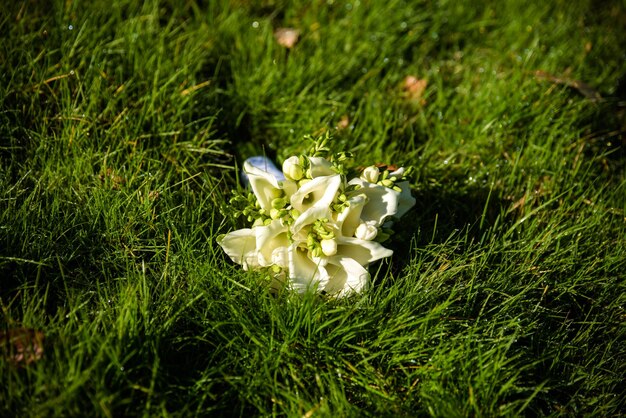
<point x="440" y="214"/>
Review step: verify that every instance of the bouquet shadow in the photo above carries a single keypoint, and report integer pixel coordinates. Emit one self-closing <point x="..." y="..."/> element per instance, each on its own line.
<point x="440" y="215"/>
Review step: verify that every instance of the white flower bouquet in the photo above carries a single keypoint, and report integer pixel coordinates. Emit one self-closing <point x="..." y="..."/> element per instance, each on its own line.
<point x="312" y="228"/>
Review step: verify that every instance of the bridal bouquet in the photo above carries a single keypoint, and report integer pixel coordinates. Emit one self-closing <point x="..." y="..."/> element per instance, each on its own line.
<point x="312" y="226"/>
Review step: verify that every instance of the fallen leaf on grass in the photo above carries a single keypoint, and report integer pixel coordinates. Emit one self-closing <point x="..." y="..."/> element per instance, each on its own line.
<point x="414" y="88"/>
<point x="116" y="181"/>
<point x="21" y="346"/>
<point x="343" y="123"/>
<point x="287" y="37"/>
<point x="583" y="88"/>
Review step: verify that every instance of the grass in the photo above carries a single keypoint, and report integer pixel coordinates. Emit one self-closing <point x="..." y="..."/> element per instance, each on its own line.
<point x="120" y="127"/>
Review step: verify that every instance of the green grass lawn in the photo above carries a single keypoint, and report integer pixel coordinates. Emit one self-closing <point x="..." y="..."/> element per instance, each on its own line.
<point x="121" y="124"/>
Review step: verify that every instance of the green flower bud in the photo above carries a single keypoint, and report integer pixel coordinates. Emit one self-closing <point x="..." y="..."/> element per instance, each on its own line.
<point x="303" y="182"/>
<point x="317" y="252"/>
<point x="279" y="203"/>
<point x="276" y="193"/>
<point x="274" y="213"/>
<point x="387" y="183"/>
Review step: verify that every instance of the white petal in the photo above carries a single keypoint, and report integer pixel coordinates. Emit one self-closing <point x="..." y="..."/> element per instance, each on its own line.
<point x="268" y="239"/>
<point x="304" y="274"/>
<point x="398" y="173"/>
<point x="363" y="252"/>
<point x="319" y="192"/>
<point x="347" y="276"/>
<point x="292" y="168"/>
<point x="264" y="164"/>
<point x="383" y="201"/>
<point x="264" y="185"/>
<point x="366" y="231"/>
<point x="370" y="174"/>
<point x="350" y="218"/>
<point x="280" y="257"/>
<point x="405" y="200"/>
<point x="320" y="167"/>
<point x="289" y="187"/>
<point x="308" y="217"/>
<point x="240" y="246"/>
<point x="313" y="200"/>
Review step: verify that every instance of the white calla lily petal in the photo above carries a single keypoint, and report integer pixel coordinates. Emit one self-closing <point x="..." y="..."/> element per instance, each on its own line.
<point x="383" y="201"/>
<point x="304" y="273"/>
<point x="350" y="217"/>
<point x="405" y="200"/>
<point x="318" y="192"/>
<point x="240" y="246"/>
<point x="347" y="276"/>
<point x="320" y="167"/>
<point x="264" y="185"/>
<point x="362" y="251"/>
<point x="307" y="218"/>
<point x="269" y="238"/>
<point x="398" y="173"/>
<point x="263" y="163"/>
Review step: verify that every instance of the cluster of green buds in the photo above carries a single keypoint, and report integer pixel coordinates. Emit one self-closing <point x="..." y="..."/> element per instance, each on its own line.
<point x="341" y="202"/>
<point x="279" y="207"/>
<point x="382" y="176"/>
<point x="247" y="205"/>
<point x="321" y="240"/>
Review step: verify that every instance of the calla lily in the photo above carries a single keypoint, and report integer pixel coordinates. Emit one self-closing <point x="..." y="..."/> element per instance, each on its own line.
<point x="269" y="240"/>
<point x="364" y="252"/>
<point x="304" y="273"/>
<point x="241" y="247"/>
<point x="264" y="185"/>
<point x="350" y="218"/>
<point x="313" y="200"/>
<point x="346" y="276"/>
<point x="320" y="167"/>
<point x="382" y="201"/>
<point x="318" y="192"/>
<point x="405" y="200"/>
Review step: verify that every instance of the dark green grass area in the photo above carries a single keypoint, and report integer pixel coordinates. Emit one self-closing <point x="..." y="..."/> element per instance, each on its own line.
<point x="120" y="127"/>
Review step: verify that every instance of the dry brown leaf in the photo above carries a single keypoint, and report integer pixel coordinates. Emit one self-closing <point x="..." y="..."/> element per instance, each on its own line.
<point x="116" y="181"/>
<point x="287" y="37"/>
<point x="22" y="346"/>
<point x="414" y="88"/>
<point x="343" y="123"/>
